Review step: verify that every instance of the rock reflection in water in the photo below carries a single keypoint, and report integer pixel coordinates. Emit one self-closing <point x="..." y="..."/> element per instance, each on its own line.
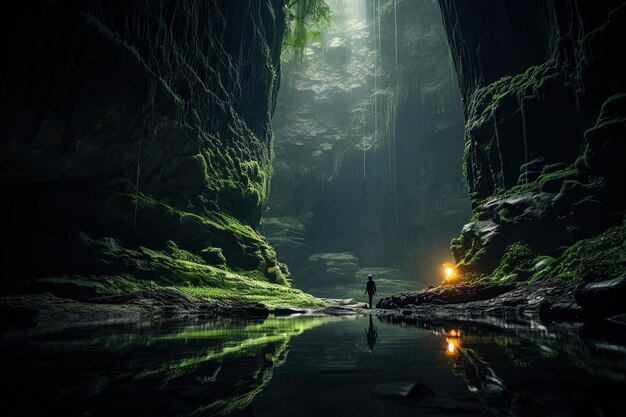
<point x="525" y="369"/>
<point x="151" y="369"/>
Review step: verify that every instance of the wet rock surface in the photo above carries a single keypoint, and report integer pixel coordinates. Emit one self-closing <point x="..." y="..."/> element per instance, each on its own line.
<point x="26" y="310"/>
<point x="154" y="139"/>
<point x="543" y="160"/>
<point x="552" y="300"/>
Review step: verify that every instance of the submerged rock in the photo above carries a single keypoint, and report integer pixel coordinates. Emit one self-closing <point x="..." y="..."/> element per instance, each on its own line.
<point x="403" y="390"/>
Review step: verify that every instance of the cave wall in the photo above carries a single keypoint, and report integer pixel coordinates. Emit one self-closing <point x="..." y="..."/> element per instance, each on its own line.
<point x="369" y="147"/>
<point x="543" y="96"/>
<point x="147" y="123"/>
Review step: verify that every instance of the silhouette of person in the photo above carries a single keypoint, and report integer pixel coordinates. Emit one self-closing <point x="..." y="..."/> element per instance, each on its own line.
<point x="370" y="289"/>
<point x="371" y="334"/>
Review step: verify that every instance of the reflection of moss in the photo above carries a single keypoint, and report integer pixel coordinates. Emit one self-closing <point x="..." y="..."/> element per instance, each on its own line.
<point x="471" y="367"/>
<point x="519" y="354"/>
<point x="265" y="341"/>
<point x="270" y="336"/>
<point x="269" y="330"/>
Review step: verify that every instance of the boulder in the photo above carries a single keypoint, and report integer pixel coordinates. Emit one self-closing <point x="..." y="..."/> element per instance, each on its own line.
<point x="603" y="298"/>
<point x="403" y="390"/>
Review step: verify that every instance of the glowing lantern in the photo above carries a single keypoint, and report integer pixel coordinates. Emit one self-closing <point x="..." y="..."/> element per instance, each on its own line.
<point x="448" y="270"/>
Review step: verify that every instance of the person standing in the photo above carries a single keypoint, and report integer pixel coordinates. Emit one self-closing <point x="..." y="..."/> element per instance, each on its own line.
<point x="370" y="288"/>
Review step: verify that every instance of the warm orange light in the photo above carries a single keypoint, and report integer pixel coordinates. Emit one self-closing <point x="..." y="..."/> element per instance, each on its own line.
<point x="455" y="333"/>
<point x="448" y="270"/>
<point x="453" y="345"/>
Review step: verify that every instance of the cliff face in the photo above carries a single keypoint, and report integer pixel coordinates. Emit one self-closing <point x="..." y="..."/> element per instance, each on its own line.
<point x="136" y="137"/>
<point x="545" y="111"/>
<point x="369" y="147"/>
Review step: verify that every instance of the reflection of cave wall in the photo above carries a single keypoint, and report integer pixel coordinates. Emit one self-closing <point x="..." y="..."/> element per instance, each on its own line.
<point x="543" y="87"/>
<point x="398" y="202"/>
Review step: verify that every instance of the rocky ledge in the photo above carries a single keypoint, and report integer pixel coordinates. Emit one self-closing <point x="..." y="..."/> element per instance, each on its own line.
<point x="552" y="300"/>
<point x="32" y="309"/>
<point x="162" y="303"/>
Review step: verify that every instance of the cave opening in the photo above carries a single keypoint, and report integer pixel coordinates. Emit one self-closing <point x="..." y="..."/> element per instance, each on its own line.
<point x="368" y="152"/>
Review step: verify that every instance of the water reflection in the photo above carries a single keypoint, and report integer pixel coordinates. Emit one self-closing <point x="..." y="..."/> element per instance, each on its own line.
<point x="371" y="334"/>
<point x="258" y="368"/>
<point x="527" y="370"/>
<point x="453" y="341"/>
<point x="181" y="368"/>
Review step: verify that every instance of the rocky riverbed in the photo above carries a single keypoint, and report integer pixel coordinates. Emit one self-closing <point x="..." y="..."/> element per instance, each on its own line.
<point x="552" y="300"/>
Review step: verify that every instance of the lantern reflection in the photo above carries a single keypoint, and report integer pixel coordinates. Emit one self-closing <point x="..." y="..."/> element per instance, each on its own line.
<point x="453" y="341"/>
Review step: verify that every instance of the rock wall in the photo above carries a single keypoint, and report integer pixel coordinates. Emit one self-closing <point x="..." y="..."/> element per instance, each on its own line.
<point x="369" y="145"/>
<point x="137" y="125"/>
<point x="545" y="113"/>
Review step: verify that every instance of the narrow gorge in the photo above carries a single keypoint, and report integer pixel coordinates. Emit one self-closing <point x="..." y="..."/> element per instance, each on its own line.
<point x="201" y="195"/>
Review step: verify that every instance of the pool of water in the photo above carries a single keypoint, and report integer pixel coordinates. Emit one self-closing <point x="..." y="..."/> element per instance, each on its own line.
<point x="313" y="366"/>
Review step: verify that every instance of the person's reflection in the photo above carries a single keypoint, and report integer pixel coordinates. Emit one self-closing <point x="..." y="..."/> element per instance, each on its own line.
<point x="371" y="334"/>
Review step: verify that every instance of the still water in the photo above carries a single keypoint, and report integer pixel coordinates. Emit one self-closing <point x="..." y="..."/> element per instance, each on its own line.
<point x="313" y="366"/>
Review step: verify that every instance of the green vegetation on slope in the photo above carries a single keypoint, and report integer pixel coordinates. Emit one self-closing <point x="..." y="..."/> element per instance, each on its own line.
<point x="602" y="256"/>
<point x="306" y="19"/>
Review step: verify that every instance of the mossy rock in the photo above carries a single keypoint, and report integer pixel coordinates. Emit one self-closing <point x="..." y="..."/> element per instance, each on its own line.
<point x="516" y="264"/>
<point x="599" y="257"/>
<point x="213" y="256"/>
<point x="551" y="182"/>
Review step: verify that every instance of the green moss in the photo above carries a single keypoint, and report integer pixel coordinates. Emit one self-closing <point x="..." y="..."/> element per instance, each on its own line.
<point x="517" y="263"/>
<point x="474" y="277"/>
<point x="268" y="294"/>
<point x="213" y="219"/>
<point x="148" y="269"/>
<point x="556" y="176"/>
<point x="239" y="185"/>
<point x="599" y="257"/>
<point x="175" y="252"/>
<point x="507" y="83"/>
<point x="511" y="192"/>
